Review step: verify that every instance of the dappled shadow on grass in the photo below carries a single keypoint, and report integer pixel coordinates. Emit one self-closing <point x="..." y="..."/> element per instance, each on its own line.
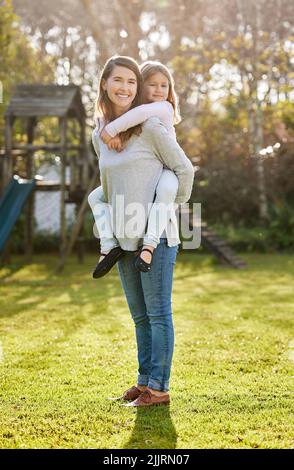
<point x="35" y="288"/>
<point x="8" y="270"/>
<point x="189" y="265"/>
<point x="54" y="307"/>
<point x="259" y="262"/>
<point x="153" y="429"/>
<point x="241" y="402"/>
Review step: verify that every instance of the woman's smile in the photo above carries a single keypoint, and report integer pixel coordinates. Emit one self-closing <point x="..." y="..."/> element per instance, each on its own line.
<point x="121" y="88"/>
<point x="120" y="95"/>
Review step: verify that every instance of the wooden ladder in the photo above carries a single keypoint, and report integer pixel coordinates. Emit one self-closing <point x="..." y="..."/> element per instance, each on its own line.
<point x="214" y="243"/>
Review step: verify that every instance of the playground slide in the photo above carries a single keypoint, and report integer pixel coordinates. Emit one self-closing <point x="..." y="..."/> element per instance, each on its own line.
<point x="11" y="203"/>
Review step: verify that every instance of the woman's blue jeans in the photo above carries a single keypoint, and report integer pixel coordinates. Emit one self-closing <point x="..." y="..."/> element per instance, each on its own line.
<point x="149" y="297"/>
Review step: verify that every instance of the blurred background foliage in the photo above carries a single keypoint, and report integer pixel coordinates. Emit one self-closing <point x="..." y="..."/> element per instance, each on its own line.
<point x="232" y="61"/>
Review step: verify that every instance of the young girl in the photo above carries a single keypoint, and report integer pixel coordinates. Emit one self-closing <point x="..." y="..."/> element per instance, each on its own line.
<point x="161" y="101"/>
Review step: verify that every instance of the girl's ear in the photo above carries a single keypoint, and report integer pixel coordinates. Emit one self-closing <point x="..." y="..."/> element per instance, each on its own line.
<point x="103" y="83"/>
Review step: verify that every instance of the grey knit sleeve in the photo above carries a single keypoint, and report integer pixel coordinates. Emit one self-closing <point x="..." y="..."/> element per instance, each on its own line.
<point x="95" y="142"/>
<point x="172" y="155"/>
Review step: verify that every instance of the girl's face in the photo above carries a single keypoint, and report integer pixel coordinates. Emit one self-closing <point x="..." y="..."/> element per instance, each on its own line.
<point x="155" y="88"/>
<point x="121" y="87"/>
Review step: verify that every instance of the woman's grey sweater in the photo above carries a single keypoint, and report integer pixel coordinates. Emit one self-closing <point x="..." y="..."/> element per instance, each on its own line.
<point x="133" y="175"/>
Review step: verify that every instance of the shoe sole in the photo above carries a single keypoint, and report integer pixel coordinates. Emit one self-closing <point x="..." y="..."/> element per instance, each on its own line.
<point x="120" y="399"/>
<point x="129" y="405"/>
<point x="103" y="271"/>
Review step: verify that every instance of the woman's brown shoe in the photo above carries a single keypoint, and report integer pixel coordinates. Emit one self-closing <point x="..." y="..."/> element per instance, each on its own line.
<point x="146" y="398"/>
<point x="129" y="395"/>
<point x="132" y="393"/>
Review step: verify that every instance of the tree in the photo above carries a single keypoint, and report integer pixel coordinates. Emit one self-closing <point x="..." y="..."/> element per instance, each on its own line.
<point x="20" y="62"/>
<point x="251" y="42"/>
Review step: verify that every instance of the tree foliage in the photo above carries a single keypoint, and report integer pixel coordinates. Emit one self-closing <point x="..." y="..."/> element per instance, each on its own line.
<point x="20" y="61"/>
<point x="232" y="62"/>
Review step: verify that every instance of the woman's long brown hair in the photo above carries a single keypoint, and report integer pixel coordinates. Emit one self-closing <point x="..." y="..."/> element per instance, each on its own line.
<point x="104" y="106"/>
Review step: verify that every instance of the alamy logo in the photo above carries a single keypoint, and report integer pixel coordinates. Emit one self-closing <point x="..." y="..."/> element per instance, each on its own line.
<point x="130" y="221"/>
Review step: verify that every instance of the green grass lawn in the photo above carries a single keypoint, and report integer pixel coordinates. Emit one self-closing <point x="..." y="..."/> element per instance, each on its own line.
<point x="68" y="343"/>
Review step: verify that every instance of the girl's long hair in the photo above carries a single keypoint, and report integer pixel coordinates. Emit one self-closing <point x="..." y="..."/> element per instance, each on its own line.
<point x="151" y="67"/>
<point x="104" y="106"/>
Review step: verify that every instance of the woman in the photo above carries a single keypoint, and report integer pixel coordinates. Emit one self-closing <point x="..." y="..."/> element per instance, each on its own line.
<point x="133" y="175"/>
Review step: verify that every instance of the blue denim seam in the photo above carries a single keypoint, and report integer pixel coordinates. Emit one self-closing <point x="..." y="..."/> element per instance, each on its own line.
<point x="145" y="351"/>
<point x="161" y="312"/>
<point x="165" y="338"/>
<point x="156" y="385"/>
<point x="165" y="329"/>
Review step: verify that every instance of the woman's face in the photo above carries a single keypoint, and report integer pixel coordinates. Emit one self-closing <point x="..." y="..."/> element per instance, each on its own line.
<point x="155" y="88"/>
<point x="121" y="87"/>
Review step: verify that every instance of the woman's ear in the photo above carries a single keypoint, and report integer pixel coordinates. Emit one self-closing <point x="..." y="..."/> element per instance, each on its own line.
<point x="103" y="83"/>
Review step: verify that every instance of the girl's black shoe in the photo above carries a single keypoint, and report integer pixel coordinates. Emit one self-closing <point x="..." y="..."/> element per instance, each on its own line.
<point x="109" y="260"/>
<point x="140" y="264"/>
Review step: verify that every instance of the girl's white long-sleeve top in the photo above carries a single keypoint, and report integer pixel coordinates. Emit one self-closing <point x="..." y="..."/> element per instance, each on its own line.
<point x="161" y="109"/>
<point x="134" y="174"/>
